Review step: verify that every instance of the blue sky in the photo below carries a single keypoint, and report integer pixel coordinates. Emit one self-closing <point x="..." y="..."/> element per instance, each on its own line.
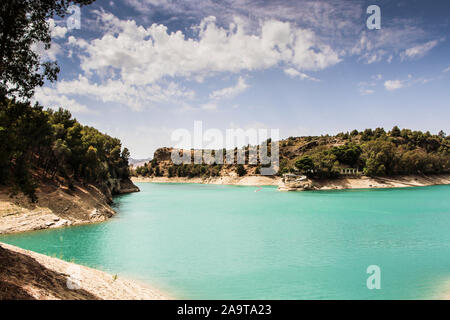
<point x="139" y="69"/>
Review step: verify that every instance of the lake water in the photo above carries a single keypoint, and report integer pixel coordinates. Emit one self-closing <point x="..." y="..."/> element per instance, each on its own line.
<point x="230" y="242"/>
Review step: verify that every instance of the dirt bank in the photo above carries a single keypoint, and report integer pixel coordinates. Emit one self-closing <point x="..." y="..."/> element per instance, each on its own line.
<point x="227" y="180"/>
<point x="58" y="206"/>
<point x="26" y="275"/>
<point x="336" y="184"/>
<point x="383" y="182"/>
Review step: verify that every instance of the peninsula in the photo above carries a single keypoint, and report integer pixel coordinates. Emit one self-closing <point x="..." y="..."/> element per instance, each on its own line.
<point x="367" y="159"/>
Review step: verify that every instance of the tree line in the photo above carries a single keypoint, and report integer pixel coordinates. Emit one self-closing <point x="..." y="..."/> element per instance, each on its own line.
<point x="37" y="143"/>
<point x="373" y="152"/>
<point x="378" y="153"/>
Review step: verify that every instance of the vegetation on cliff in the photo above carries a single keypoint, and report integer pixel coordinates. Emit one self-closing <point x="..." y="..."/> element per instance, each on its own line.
<point x="34" y="141"/>
<point x="52" y="143"/>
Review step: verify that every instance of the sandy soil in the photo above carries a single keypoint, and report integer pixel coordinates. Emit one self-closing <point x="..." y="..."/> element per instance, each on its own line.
<point x="57" y="207"/>
<point x="342" y="183"/>
<point x="383" y="182"/>
<point x="26" y="275"/>
<point x="228" y="180"/>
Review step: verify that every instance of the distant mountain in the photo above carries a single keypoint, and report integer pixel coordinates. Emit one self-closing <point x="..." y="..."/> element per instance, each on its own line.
<point x="138" y="162"/>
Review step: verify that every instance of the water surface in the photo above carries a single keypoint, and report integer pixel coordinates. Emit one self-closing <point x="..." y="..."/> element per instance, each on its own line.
<point x="230" y="242"/>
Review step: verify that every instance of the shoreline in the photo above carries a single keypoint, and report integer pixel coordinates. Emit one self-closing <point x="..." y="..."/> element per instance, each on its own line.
<point x="224" y="180"/>
<point x="336" y="184"/>
<point x="27" y="275"/>
<point x="57" y="207"/>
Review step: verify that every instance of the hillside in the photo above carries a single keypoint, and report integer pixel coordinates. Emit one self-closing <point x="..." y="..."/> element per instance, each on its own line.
<point x="370" y="153"/>
<point x="26" y="275"/>
<point x="55" y="172"/>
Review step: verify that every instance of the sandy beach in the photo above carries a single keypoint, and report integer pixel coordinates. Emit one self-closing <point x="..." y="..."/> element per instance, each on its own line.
<point x="27" y="275"/>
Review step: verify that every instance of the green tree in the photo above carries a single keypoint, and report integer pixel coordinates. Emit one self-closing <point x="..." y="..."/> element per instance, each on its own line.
<point x="395" y="132"/>
<point x="23" y="24"/>
<point x="305" y="165"/>
<point x="348" y="154"/>
<point x="240" y="170"/>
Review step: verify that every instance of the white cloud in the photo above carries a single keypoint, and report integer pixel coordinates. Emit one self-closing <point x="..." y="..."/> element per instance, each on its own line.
<point x="56" y="31"/>
<point x="146" y="55"/>
<point x="337" y="23"/>
<point x="45" y="55"/>
<point x="392" y="85"/>
<point x="419" y="50"/>
<point x="295" y="73"/>
<point x="47" y="97"/>
<point x="137" y="66"/>
<point x="367" y="87"/>
<point x="446" y="69"/>
<point x="331" y="21"/>
<point x="230" y="92"/>
<point x="117" y="91"/>
<point x="209" y="107"/>
<point x="365" y="91"/>
<point x="393" y="40"/>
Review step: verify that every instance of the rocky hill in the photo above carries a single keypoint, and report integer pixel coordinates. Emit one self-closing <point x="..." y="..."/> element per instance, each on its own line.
<point x="372" y="153"/>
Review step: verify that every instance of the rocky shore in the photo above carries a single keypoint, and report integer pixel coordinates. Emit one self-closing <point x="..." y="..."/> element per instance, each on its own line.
<point x="59" y="206"/>
<point x="26" y="275"/>
<point x="366" y="183"/>
<point x="309" y="184"/>
<point x="225" y="180"/>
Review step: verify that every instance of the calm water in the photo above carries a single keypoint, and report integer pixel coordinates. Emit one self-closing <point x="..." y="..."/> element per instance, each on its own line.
<point x="204" y="241"/>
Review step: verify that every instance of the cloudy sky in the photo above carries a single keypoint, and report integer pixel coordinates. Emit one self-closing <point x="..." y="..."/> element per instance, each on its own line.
<point x="139" y="69"/>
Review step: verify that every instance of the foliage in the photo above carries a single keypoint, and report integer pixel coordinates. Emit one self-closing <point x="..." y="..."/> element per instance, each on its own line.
<point x="374" y="152"/>
<point x="305" y="165"/>
<point x="240" y="170"/>
<point x="348" y="154"/>
<point x="55" y="144"/>
<point x="23" y="25"/>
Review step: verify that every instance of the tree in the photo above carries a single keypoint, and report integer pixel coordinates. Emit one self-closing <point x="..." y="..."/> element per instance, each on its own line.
<point x="367" y="135"/>
<point x="395" y="132"/>
<point x="442" y="134"/>
<point x="54" y="143"/>
<point x="305" y="165"/>
<point x="240" y="170"/>
<point x="172" y="170"/>
<point x="23" y="24"/>
<point x="325" y="165"/>
<point x="347" y="154"/>
<point x="381" y="157"/>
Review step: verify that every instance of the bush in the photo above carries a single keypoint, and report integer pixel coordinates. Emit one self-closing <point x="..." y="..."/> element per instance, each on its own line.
<point x="240" y="170"/>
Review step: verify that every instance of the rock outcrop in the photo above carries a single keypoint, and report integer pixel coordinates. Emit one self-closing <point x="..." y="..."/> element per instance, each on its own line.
<point x="118" y="186"/>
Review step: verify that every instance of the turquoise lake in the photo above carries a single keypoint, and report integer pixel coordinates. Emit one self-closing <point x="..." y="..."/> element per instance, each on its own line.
<point x="229" y="242"/>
